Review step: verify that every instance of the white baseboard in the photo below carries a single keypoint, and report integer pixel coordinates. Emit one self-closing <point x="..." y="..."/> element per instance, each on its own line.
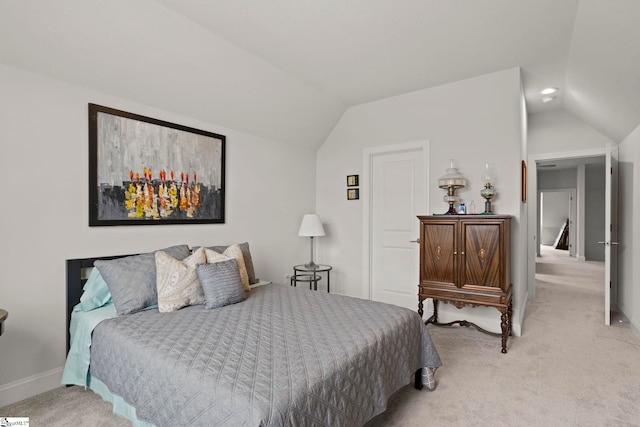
<point x="516" y="329"/>
<point x="516" y="324"/>
<point x="27" y="387"/>
<point x="635" y="329"/>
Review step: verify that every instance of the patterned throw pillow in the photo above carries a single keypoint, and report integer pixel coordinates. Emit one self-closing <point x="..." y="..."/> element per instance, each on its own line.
<point x="177" y="281"/>
<point x="232" y="252"/>
<point x="221" y="283"/>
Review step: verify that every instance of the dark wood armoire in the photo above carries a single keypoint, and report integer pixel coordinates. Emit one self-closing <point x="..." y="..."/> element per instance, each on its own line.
<point x="465" y="261"/>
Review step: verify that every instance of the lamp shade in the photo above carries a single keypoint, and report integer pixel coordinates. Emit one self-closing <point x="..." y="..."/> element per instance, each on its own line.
<point x="488" y="176"/>
<point x="452" y="179"/>
<point x="311" y="226"/>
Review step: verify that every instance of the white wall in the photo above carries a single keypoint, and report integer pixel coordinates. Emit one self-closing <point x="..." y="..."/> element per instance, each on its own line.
<point x="556" y="179"/>
<point x="559" y="179"/>
<point x="44" y="216"/>
<point x="594" y="207"/>
<point x="629" y="229"/>
<point x="523" y="260"/>
<point x="558" y="131"/>
<point x="556" y="210"/>
<point x="474" y="121"/>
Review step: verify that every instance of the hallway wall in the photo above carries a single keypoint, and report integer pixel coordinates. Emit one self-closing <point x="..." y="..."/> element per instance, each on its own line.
<point x="555" y="206"/>
<point x="594" y="207"/>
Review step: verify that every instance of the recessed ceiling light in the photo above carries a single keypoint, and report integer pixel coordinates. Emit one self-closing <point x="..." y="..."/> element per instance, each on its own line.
<point x="548" y="99"/>
<point x="549" y="91"/>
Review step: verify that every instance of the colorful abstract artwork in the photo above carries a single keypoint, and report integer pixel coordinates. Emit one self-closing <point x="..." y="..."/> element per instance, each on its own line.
<point x="147" y="171"/>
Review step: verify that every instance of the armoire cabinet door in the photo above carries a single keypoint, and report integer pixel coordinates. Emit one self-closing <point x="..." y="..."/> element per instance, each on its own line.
<point x="481" y="243"/>
<point x="439" y="253"/>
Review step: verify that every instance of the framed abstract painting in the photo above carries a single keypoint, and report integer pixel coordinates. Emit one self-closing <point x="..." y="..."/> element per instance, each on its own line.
<point x="145" y="171"/>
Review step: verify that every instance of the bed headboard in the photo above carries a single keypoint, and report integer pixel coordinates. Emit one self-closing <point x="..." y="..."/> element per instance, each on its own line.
<point x="78" y="271"/>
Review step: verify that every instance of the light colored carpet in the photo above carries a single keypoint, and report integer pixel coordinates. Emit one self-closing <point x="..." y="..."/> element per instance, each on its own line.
<point x="556" y="267"/>
<point x="567" y="369"/>
<point x="66" y="406"/>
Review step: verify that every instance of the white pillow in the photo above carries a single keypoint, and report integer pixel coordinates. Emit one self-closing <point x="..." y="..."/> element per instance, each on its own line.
<point x="177" y="282"/>
<point x="232" y="252"/>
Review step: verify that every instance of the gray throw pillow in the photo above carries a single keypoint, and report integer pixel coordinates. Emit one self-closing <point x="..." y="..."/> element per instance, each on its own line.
<point x="132" y="280"/>
<point x="246" y="255"/>
<point x="221" y="283"/>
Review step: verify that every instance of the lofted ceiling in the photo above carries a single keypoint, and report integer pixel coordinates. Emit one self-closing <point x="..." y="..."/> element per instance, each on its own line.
<point x="361" y="51"/>
<point x="288" y="70"/>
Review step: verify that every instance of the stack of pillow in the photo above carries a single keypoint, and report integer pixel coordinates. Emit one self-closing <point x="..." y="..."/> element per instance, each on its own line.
<point x="172" y="278"/>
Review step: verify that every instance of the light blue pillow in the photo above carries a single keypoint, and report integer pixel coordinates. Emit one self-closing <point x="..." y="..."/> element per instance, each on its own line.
<point x="95" y="292"/>
<point x="221" y="283"/>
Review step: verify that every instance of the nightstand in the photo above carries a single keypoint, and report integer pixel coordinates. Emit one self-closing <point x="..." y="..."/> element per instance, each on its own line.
<point x="304" y="273"/>
<point x="260" y="283"/>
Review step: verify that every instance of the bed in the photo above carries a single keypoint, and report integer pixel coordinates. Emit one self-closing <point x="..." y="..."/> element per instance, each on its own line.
<point x="282" y="356"/>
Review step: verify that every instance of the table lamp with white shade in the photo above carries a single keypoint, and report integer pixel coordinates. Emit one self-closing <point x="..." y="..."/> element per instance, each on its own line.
<point x="311" y="227"/>
<point x="451" y="182"/>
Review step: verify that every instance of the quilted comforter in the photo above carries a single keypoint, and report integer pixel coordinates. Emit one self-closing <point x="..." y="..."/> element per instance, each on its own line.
<point x="284" y="357"/>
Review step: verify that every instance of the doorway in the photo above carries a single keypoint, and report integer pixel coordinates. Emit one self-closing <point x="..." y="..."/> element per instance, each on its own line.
<point x="557" y="220"/>
<point x="578" y="162"/>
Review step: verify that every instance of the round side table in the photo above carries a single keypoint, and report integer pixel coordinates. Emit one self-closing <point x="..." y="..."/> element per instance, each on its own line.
<point x="305" y="273"/>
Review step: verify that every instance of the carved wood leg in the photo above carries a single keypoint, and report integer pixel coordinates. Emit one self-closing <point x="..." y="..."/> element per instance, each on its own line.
<point x="504" y="325"/>
<point x="434" y="317"/>
<point x="420" y="308"/>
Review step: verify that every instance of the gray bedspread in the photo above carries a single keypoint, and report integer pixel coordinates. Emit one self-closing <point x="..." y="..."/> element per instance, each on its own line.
<point x="284" y="357"/>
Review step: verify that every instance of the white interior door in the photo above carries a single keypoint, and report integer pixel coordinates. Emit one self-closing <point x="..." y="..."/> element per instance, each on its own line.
<point x="610" y="230"/>
<point x="397" y="195"/>
<point x="572" y="223"/>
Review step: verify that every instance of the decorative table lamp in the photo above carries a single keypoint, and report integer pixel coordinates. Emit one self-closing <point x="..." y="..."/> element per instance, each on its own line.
<point x="311" y="227"/>
<point x="451" y="181"/>
<point x="488" y="192"/>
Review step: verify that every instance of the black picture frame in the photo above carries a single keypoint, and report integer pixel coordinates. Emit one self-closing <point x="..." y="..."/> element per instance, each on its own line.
<point x="353" y="194"/>
<point x="352" y="180"/>
<point x="145" y="171"/>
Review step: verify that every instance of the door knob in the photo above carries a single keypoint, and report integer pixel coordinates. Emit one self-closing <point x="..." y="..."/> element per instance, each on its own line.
<point x="415" y="241"/>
